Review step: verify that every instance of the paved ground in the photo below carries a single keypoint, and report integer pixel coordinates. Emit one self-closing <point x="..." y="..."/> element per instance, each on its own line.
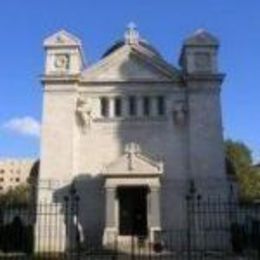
<point x="140" y="256"/>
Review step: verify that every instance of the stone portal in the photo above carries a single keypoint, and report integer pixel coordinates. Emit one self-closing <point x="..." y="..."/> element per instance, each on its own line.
<point x="132" y="185"/>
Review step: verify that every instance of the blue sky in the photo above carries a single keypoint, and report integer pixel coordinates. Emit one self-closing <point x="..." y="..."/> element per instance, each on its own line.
<point x="165" y="23"/>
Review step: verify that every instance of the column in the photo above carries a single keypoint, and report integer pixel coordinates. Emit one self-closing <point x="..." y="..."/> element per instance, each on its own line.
<point x="111" y="107"/>
<point x="155" y="216"/>
<point x="110" y="233"/>
<point x="110" y="207"/>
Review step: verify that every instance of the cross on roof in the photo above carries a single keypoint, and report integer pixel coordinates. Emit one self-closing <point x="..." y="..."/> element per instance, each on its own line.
<point x="131" y="34"/>
<point x="132" y="148"/>
<point x="131" y="26"/>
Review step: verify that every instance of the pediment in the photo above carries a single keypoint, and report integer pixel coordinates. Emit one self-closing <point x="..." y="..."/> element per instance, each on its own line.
<point x="130" y="64"/>
<point x="62" y="38"/>
<point x="201" y="38"/>
<point x="134" y="163"/>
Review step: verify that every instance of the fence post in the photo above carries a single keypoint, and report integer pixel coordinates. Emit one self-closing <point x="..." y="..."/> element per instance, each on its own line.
<point x="77" y="233"/>
<point x="191" y="200"/>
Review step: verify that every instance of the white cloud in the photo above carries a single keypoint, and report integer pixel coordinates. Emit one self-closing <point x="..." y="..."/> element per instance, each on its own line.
<point x="23" y="125"/>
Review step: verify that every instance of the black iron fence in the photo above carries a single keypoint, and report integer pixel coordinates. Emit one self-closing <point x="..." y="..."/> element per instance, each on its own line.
<point x="216" y="229"/>
<point x="225" y="229"/>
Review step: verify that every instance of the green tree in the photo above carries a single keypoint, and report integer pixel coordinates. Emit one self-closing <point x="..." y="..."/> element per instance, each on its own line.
<point x="238" y="157"/>
<point x="239" y="166"/>
<point x="249" y="186"/>
<point x="17" y="196"/>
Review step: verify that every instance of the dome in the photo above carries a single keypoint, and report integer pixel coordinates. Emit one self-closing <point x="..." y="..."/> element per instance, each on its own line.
<point x="132" y="37"/>
<point x="120" y="43"/>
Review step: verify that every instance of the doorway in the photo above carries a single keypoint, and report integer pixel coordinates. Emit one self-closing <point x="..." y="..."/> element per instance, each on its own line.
<point x="133" y="211"/>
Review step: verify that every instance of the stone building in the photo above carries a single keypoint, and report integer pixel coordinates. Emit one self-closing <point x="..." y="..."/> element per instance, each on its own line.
<point x="14" y="172"/>
<point x="130" y="134"/>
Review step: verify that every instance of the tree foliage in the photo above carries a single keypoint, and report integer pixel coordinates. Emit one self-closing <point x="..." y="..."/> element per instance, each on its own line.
<point x="17" y="196"/>
<point x="250" y="186"/>
<point x="238" y="156"/>
<point x="239" y="166"/>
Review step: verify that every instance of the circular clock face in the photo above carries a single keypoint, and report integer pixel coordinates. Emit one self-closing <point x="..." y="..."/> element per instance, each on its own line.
<point x="61" y="61"/>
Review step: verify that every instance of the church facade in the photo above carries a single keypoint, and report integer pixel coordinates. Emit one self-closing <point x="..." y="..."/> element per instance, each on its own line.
<point x="130" y="133"/>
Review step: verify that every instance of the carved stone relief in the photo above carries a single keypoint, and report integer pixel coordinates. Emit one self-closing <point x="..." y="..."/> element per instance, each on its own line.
<point x="61" y="61"/>
<point x="180" y="112"/>
<point x="84" y="113"/>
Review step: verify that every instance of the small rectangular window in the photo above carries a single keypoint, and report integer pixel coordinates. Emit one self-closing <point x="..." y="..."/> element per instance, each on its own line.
<point x="146" y="106"/>
<point x="104" y="106"/>
<point x="160" y="105"/>
<point x="132" y="106"/>
<point x="118" y="107"/>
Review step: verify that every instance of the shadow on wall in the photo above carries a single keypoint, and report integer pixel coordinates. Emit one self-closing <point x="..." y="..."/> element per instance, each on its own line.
<point x="84" y="210"/>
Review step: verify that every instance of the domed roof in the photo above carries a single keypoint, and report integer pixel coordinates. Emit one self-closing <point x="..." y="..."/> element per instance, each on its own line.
<point x="132" y="38"/>
<point x="120" y="43"/>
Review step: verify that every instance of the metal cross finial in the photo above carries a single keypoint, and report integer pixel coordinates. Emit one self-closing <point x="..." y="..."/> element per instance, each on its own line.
<point x="131" y="149"/>
<point x="131" y="26"/>
<point x="131" y="35"/>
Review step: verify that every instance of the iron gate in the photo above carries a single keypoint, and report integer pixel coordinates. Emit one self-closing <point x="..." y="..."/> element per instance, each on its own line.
<point x="216" y="229"/>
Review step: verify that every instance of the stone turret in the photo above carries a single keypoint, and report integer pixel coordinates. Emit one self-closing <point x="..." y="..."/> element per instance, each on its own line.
<point x="199" y="53"/>
<point x="64" y="54"/>
<point x="203" y="80"/>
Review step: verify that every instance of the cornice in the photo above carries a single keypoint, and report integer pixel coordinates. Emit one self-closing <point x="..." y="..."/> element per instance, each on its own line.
<point x="131" y="81"/>
<point x="59" y="79"/>
<point x="219" y="77"/>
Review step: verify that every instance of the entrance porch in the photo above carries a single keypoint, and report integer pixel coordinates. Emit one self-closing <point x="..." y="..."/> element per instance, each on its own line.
<point x="132" y="187"/>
